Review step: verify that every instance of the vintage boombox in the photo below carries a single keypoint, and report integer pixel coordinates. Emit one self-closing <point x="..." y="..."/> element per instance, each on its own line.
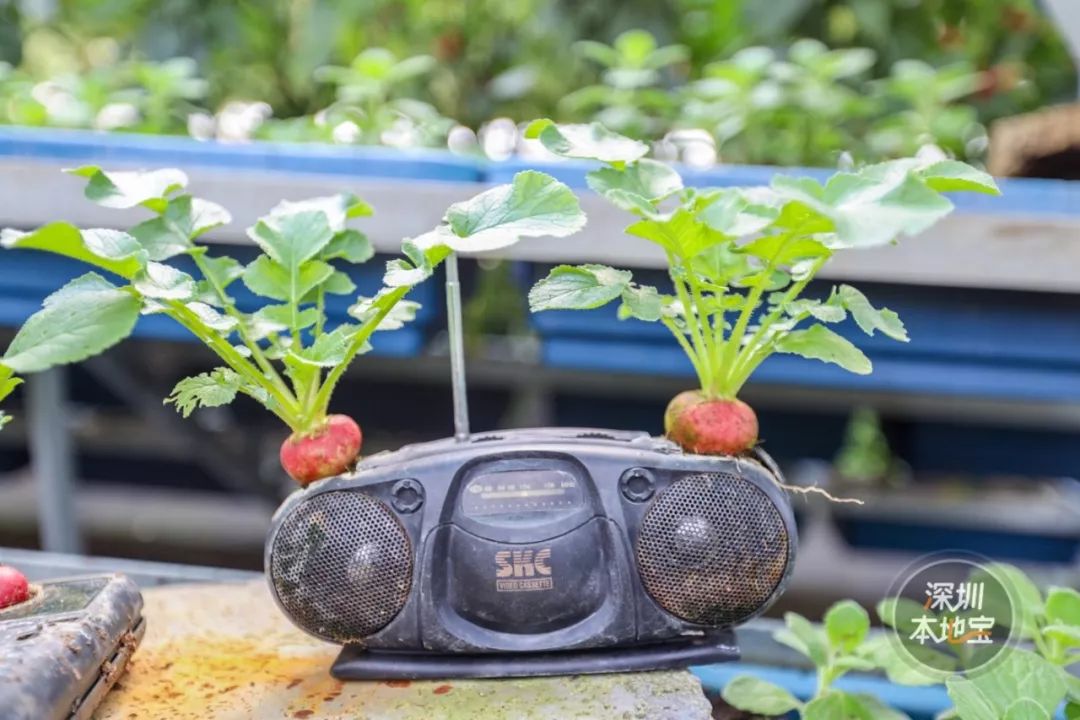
<point x="533" y="552"/>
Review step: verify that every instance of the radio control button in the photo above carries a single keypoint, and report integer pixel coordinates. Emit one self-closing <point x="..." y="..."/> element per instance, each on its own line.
<point x="408" y="495"/>
<point x="637" y="485"/>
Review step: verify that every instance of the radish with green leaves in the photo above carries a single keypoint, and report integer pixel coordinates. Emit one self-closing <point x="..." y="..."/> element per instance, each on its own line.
<point x="283" y="354"/>
<point x="740" y="260"/>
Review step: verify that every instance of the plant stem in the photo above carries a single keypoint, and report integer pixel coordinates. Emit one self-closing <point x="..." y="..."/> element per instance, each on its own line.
<point x="272" y="408"/>
<point x="322" y="398"/>
<point x="191" y="322"/>
<point x="753" y="299"/>
<point x="693" y="322"/>
<point x="746" y="362"/>
<point x="230" y="310"/>
<point x="320" y="307"/>
<point x="708" y="338"/>
<point x="1040" y="642"/>
<point x="690" y="353"/>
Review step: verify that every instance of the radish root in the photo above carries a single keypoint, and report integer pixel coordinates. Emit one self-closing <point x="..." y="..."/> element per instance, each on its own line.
<point x="815" y="490"/>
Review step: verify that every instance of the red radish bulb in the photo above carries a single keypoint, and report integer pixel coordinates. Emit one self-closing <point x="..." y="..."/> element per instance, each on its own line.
<point x="14" y="588"/>
<point x="329" y="450"/>
<point x="711" y="426"/>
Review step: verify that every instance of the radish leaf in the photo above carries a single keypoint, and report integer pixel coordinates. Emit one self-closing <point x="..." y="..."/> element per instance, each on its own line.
<point x="184" y="219"/>
<point x="272" y="280"/>
<point x="820" y="343"/>
<point x="110" y="250"/>
<point x="846" y="625"/>
<point x="578" y="288"/>
<point x="590" y="142"/>
<point x="291" y="240"/>
<point x="870" y="208"/>
<point x="164" y="282"/>
<point x="641" y="302"/>
<point x="349" y="245"/>
<point x="80" y="320"/>
<point x="402" y="273"/>
<point x="337" y="284"/>
<point x="276" y="318"/>
<point x="636" y="187"/>
<point x="751" y="695"/>
<point x="124" y="190"/>
<point x="222" y="271"/>
<point x="736" y="212"/>
<point x="682" y="234"/>
<point x="336" y="208"/>
<point x="534" y="204"/>
<point x="212" y="389"/>
<point x="953" y="176"/>
<point x="211" y="318"/>
<point x="1020" y="674"/>
<point x="404" y="311"/>
<point x="90" y="282"/>
<point x="328" y="349"/>
<point x="869" y="318"/>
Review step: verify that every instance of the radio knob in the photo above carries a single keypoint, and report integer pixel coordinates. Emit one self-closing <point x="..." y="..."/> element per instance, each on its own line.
<point x="408" y="495"/>
<point x="637" y="485"/>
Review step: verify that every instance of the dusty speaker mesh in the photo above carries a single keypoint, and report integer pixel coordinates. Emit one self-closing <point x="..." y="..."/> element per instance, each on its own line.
<point x="341" y="564"/>
<point x="712" y="549"/>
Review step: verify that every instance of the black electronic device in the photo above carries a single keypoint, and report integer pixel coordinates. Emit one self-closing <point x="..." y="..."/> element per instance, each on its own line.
<point x="561" y="550"/>
<point x="531" y="552"/>
<point x="61" y="650"/>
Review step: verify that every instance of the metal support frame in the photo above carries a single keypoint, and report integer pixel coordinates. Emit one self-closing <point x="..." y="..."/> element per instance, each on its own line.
<point x="52" y="460"/>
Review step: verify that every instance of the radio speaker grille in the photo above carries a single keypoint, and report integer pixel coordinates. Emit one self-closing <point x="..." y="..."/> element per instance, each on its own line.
<point x="712" y="549"/>
<point x="341" y="564"/>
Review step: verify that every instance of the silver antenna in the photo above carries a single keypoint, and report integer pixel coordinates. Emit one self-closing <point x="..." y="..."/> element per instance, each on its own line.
<point x="456" y="332"/>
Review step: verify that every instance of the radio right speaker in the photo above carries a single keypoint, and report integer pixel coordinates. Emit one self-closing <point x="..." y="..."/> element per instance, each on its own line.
<point x="712" y="549"/>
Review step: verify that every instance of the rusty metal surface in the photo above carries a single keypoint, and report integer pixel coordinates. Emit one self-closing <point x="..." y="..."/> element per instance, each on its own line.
<point x="223" y="652"/>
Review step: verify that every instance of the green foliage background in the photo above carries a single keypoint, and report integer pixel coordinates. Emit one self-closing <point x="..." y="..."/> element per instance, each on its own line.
<point x="513" y="58"/>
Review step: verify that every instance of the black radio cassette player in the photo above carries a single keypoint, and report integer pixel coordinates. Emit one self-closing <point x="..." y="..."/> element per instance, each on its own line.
<point x="533" y="552"/>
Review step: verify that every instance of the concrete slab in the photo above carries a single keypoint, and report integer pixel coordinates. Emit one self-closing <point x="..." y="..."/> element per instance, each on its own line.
<point x="224" y="652"/>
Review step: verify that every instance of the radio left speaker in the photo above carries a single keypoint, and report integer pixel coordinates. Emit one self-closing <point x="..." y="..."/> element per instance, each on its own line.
<point x="341" y="565"/>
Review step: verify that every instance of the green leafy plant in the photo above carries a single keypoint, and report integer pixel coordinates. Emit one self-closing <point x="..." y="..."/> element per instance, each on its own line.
<point x="815" y="104"/>
<point x="631" y="98"/>
<point x="138" y="96"/>
<point x="166" y="93"/>
<point x="740" y="260"/>
<point x="802" y="110"/>
<point x="371" y="107"/>
<point x="920" y="105"/>
<point x="1024" y="684"/>
<point x="282" y="354"/>
<point x="1027" y="684"/>
<point x="865" y="456"/>
<point x="842" y="644"/>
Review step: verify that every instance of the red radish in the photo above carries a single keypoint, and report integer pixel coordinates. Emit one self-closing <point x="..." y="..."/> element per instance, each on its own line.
<point x="14" y="588"/>
<point x="711" y="426"/>
<point x="329" y="450"/>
